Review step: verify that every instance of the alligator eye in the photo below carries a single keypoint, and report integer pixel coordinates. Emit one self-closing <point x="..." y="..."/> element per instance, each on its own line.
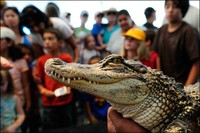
<point x="114" y="64"/>
<point x="117" y="61"/>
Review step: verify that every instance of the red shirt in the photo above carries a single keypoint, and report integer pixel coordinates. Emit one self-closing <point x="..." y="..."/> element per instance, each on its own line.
<point x="50" y="83"/>
<point x="151" y="62"/>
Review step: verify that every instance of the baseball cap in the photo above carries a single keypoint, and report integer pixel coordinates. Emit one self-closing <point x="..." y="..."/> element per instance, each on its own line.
<point x="7" y="33"/>
<point x="99" y="13"/>
<point x="84" y="13"/>
<point x="136" y="33"/>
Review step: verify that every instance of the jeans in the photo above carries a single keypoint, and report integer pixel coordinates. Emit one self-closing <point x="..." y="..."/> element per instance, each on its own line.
<point x="56" y="117"/>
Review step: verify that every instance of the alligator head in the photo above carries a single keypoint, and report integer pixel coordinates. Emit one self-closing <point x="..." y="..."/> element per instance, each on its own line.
<point x="133" y="89"/>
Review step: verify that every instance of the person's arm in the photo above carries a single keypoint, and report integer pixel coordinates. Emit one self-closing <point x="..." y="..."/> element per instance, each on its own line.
<point x="116" y="123"/>
<point x="72" y="42"/>
<point x="193" y="75"/>
<point x="100" y="40"/>
<point x="26" y="86"/>
<point x="5" y="64"/>
<point x="45" y="91"/>
<point x="91" y="117"/>
<point x="20" y="116"/>
<point x="158" y="67"/>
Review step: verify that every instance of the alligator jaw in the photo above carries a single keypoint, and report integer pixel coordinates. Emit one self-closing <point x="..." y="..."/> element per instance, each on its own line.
<point x="126" y="91"/>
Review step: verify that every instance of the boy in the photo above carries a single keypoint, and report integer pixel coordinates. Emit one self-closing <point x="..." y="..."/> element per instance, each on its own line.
<point x="56" y="110"/>
<point x="177" y="44"/>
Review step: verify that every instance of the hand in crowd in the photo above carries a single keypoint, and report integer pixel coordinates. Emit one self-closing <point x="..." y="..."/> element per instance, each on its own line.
<point x="93" y="119"/>
<point x="116" y="123"/>
<point x="47" y="93"/>
<point x="5" y="64"/>
<point x="9" y="129"/>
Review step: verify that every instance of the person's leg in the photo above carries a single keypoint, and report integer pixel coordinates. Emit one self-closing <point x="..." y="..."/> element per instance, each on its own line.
<point x="65" y="116"/>
<point x="50" y="119"/>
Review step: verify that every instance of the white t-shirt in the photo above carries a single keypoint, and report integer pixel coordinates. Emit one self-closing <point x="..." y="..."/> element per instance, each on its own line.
<point x="115" y="43"/>
<point x="63" y="27"/>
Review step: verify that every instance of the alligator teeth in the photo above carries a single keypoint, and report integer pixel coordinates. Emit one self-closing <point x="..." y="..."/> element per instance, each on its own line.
<point x="68" y="80"/>
<point x="79" y="78"/>
<point x="90" y="82"/>
<point x="74" y="79"/>
<point x="51" y="72"/>
<point x="63" y="78"/>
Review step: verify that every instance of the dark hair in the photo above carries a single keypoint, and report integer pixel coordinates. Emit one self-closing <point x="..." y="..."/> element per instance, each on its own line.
<point x="14" y="51"/>
<point x="150" y="34"/>
<point x="22" y="45"/>
<point x="15" y="10"/>
<point x="10" y="87"/>
<point x="148" y="12"/>
<point x="52" y="10"/>
<point x="54" y="31"/>
<point x="33" y="14"/>
<point x="124" y="12"/>
<point x="182" y="4"/>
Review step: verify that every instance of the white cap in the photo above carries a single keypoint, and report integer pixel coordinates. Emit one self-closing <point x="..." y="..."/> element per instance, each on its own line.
<point x="7" y="33"/>
<point x="84" y="12"/>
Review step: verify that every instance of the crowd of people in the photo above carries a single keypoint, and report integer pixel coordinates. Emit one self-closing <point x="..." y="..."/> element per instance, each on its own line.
<point x="28" y="101"/>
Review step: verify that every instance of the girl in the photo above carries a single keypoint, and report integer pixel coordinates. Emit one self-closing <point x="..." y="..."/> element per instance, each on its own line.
<point x="19" y="72"/>
<point x="11" y="19"/>
<point x="135" y="48"/>
<point x="12" y="114"/>
<point x="89" y="50"/>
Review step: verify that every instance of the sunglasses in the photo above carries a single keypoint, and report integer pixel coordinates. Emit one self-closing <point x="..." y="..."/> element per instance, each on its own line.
<point x="113" y="13"/>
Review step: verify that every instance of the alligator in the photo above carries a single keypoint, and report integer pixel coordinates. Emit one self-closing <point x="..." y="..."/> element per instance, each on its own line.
<point x="147" y="96"/>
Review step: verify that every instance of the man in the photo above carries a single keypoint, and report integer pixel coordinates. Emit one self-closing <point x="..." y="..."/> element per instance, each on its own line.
<point x="116" y="41"/>
<point x="150" y="15"/>
<point x="81" y="32"/>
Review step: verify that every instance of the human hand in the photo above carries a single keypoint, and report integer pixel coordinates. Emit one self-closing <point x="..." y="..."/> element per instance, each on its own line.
<point x="116" y="123"/>
<point x="47" y="93"/>
<point x="5" y="64"/>
<point x="35" y="75"/>
<point x="9" y="129"/>
<point x="93" y="119"/>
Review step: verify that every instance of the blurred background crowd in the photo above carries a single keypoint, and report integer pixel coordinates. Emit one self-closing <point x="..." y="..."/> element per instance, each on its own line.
<point x="30" y="36"/>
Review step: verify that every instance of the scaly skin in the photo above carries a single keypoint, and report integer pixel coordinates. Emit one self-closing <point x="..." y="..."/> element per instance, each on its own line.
<point x="153" y="100"/>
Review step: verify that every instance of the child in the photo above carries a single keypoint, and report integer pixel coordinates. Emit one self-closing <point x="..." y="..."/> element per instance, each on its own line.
<point x="12" y="114"/>
<point x="96" y="107"/>
<point x="96" y="30"/>
<point x="177" y="44"/>
<point x="89" y="49"/>
<point x="134" y="46"/>
<point x="19" y="71"/>
<point x="57" y="111"/>
<point x="33" y="119"/>
<point x="155" y="60"/>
